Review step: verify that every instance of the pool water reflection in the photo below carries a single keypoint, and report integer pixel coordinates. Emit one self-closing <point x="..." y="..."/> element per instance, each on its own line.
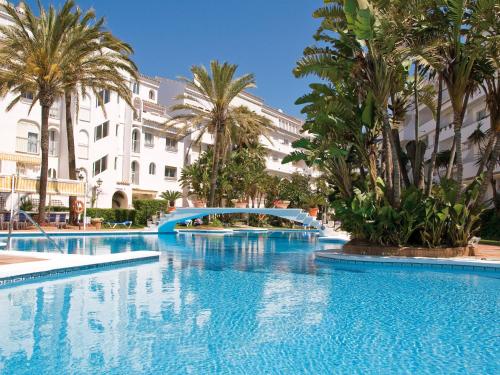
<point x="249" y="303"/>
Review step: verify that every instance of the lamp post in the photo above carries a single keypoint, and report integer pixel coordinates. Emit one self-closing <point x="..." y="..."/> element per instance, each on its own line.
<point x="81" y="177"/>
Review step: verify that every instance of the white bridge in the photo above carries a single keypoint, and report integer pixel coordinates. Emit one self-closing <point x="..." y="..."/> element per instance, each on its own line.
<point x="168" y="222"/>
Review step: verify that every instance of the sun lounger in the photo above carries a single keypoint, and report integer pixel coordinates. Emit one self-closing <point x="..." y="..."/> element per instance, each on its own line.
<point x="61" y="221"/>
<point x="125" y="224"/>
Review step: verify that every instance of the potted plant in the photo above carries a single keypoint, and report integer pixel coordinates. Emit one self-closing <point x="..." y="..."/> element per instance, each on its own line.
<point x="239" y="203"/>
<point x="279" y="203"/>
<point x="97" y="222"/>
<point x="313" y="203"/>
<point x="171" y="196"/>
<point x="200" y="202"/>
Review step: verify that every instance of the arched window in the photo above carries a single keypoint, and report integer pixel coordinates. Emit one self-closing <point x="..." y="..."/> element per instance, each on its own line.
<point x="152" y="169"/>
<point x="83" y="144"/>
<point x="52" y="173"/>
<point x="151" y="95"/>
<point x="134" y="168"/>
<point x="136" y="141"/>
<point x="53" y="142"/>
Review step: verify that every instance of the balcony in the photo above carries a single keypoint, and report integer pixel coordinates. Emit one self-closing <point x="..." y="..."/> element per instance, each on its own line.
<point x="27" y="145"/>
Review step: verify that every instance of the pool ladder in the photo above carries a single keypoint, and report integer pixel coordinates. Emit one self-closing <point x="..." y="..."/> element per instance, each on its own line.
<point x="9" y="237"/>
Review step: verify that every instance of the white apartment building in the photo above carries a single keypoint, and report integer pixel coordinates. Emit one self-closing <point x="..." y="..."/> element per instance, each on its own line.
<point x="122" y="155"/>
<point x="476" y="115"/>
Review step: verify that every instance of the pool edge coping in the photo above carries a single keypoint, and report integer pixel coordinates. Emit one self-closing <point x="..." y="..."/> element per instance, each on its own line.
<point x="457" y="263"/>
<point x="51" y="264"/>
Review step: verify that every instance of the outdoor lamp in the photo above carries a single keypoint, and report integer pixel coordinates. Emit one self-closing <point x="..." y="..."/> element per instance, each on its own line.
<point x="99" y="182"/>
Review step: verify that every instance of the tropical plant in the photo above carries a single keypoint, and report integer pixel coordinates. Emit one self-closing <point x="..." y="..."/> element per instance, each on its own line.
<point x="33" y="58"/>
<point x="171" y="196"/>
<point x="214" y="113"/>
<point x="195" y="177"/>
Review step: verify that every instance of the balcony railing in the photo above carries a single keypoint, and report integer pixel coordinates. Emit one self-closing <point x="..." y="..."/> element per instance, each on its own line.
<point x="27" y="145"/>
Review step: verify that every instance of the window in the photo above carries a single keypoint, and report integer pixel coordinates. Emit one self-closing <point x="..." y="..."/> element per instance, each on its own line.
<point x="117" y="130"/>
<point x="100" y="165"/>
<point x="170" y="172"/>
<point x="148" y="140"/>
<point x="104" y="95"/>
<point x="285" y="142"/>
<point x="83" y="144"/>
<point x="151" y="95"/>
<point x="32" y="143"/>
<point x="101" y="131"/>
<point x="275" y="158"/>
<point x="116" y="163"/>
<point x="52" y="173"/>
<point x="152" y="169"/>
<point x="136" y="141"/>
<point x="135" y="87"/>
<point x="170" y="144"/>
<point x="481" y="115"/>
<point x="134" y="168"/>
<point x="27" y="95"/>
<point x="53" y="144"/>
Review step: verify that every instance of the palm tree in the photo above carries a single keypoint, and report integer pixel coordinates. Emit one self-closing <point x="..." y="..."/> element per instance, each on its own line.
<point x="213" y="113"/>
<point x="96" y="61"/>
<point x="463" y="24"/>
<point x="33" y="58"/>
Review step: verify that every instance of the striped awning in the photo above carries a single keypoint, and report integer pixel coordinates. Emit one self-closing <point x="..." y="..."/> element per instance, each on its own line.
<point x="20" y="158"/>
<point x="31" y="185"/>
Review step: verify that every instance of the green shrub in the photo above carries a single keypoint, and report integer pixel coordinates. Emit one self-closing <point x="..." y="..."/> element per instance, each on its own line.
<point x="113" y="215"/>
<point x="57" y="209"/>
<point x="145" y="208"/>
<point x="439" y="220"/>
<point x="490" y="225"/>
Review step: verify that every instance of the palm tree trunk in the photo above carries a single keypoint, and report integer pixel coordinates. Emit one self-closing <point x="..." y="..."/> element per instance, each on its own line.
<point x="73" y="216"/>
<point x="396" y="175"/>
<point x="386" y="131"/>
<point x="215" y="164"/>
<point x="372" y="167"/>
<point x="402" y="167"/>
<point x="417" y="161"/>
<point x="451" y="162"/>
<point x="432" y="166"/>
<point x="491" y="164"/>
<point x="44" y="145"/>
<point x="457" y="125"/>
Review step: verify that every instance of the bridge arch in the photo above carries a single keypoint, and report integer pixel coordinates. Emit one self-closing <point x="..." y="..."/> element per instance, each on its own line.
<point x="167" y="224"/>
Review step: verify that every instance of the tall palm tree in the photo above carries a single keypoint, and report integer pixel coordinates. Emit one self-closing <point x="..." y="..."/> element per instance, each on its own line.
<point x="213" y="113"/>
<point x="96" y="61"/>
<point x="33" y="58"/>
<point x="462" y="22"/>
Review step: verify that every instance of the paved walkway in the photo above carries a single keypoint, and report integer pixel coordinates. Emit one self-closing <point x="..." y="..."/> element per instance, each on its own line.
<point x="9" y="259"/>
<point x="491" y="252"/>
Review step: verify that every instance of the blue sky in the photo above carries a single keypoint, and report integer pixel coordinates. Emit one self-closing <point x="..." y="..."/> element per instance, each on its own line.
<point x="265" y="37"/>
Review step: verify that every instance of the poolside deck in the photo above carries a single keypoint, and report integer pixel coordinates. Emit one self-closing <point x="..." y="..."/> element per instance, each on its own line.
<point x="24" y="266"/>
<point x="9" y="259"/>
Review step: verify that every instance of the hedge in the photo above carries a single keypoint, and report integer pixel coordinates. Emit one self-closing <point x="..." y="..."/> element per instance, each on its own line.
<point x="145" y="208"/>
<point x="490" y="224"/>
<point x="113" y="215"/>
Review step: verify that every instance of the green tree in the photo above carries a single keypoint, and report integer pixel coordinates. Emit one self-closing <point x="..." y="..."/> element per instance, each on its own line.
<point x="213" y="113"/>
<point x="33" y="58"/>
<point x="97" y="61"/>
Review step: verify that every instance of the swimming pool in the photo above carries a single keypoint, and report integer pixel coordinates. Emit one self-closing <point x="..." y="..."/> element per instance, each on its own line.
<point x="250" y="303"/>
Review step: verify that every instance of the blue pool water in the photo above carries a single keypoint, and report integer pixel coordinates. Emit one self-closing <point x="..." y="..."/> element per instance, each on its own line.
<point x="249" y="304"/>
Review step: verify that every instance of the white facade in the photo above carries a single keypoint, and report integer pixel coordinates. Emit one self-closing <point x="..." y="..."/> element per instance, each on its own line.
<point x="476" y="115"/>
<point x="131" y="155"/>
